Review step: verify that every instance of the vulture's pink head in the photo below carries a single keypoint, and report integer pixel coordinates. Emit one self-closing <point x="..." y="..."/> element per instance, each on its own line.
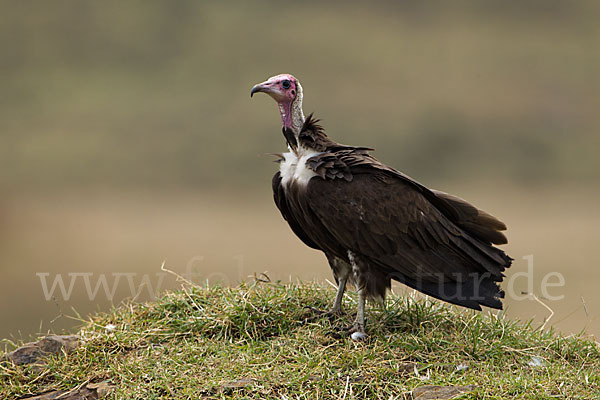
<point x="287" y="92"/>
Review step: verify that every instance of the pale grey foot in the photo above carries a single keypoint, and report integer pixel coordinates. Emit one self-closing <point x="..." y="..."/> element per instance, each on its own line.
<point x="336" y="310"/>
<point x="357" y="331"/>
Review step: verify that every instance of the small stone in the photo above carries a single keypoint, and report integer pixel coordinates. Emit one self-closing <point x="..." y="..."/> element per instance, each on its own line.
<point x="536" y="362"/>
<point x="432" y="392"/>
<point x="90" y="391"/>
<point x="55" y="394"/>
<point x="358" y="336"/>
<point x="462" y="367"/>
<point x="240" y="383"/>
<point x="32" y="352"/>
<point x="103" y="389"/>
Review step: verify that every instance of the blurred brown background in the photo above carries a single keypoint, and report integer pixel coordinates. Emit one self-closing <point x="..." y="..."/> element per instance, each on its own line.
<point x="127" y="137"/>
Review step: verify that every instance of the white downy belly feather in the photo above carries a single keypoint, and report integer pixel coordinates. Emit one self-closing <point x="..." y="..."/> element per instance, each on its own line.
<point x="293" y="168"/>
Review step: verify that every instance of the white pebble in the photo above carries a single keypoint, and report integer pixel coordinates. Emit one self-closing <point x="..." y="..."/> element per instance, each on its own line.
<point x="536" y="362"/>
<point x="358" y="336"/>
<point x="462" y="367"/>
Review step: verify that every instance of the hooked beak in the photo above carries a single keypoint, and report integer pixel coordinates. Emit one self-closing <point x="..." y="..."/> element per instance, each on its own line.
<point x="265" y="87"/>
<point x="256" y="89"/>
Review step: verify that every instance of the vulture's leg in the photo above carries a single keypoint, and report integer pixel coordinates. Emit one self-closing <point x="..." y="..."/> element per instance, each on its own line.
<point x="337" y="304"/>
<point x="341" y="272"/>
<point x="358" y="329"/>
<point x="359" y="322"/>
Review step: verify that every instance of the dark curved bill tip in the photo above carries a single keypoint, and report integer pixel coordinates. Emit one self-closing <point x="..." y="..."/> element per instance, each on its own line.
<point x="255" y="89"/>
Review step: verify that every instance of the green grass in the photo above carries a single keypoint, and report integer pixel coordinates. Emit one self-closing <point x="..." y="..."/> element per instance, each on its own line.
<point x="252" y="342"/>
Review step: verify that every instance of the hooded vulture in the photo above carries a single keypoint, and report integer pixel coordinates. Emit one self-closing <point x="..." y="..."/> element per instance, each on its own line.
<point x="375" y="224"/>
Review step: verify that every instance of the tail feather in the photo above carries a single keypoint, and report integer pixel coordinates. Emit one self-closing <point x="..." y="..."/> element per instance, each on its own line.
<point x="478" y="223"/>
<point x="472" y="293"/>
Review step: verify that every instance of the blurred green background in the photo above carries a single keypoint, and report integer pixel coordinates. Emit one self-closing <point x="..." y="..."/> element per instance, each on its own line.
<point x="127" y="135"/>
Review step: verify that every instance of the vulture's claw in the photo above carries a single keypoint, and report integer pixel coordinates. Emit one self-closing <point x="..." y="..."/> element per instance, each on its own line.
<point x="354" y="331"/>
<point x="332" y="314"/>
<point x="357" y="332"/>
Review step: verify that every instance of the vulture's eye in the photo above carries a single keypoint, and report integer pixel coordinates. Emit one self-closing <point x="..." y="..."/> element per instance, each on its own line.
<point x="286" y="84"/>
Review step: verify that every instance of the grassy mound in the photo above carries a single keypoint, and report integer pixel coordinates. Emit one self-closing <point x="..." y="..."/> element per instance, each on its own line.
<point x="253" y="341"/>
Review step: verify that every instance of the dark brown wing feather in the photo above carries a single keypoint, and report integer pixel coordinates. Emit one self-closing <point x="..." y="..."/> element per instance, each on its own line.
<point x="399" y="232"/>
<point x="280" y="201"/>
<point x="479" y="223"/>
<point x="337" y="160"/>
<point x="429" y="240"/>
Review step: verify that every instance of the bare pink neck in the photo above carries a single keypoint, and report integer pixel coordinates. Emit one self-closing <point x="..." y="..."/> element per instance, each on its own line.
<point x="292" y="115"/>
<point x="285" y="110"/>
